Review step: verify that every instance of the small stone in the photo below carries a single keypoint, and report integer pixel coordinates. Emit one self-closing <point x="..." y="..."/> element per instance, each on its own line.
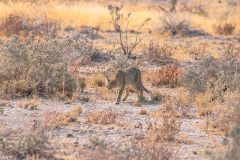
<point x="71" y="119"/>
<point x="69" y="135"/>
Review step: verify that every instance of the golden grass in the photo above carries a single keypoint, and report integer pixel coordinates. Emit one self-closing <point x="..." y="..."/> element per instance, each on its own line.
<point x="204" y="103"/>
<point x="104" y="117"/>
<point x="29" y="104"/>
<point x="54" y="119"/>
<point x="76" y="14"/>
<point x="183" y="97"/>
<point x="156" y="95"/>
<point x="168" y="109"/>
<point x="106" y="94"/>
<point x="227" y="114"/>
<point x="95" y="14"/>
<point x="97" y="80"/>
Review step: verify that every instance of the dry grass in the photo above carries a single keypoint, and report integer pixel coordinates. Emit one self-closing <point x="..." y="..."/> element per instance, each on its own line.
<point x="97" y="80"/>
<point x="204" y="103"/>
<point x="25" y="26"/>
<point x="167" y="75"/>
<point x="224" y="29"/>
<point x="156" y="95"/>
<point x="76" y="14"/>
<point x="183" y="97"/>
<point x="138" y="149"/>
<point x="199" y="51"/>
<point x="227" y="114"/>
<point x="145" y="149"/>
<point x="104" y="117"/>
<point x="37" y="68"/>
<point x="54" y="119"/>
<point x="184" y="101"/>
<point x="167" y="131"/>
<point x="172" y="24"/>
<point x="29" y="104"/>
<point x="80" y="13"/>
<point x="21" y="146"/>
<point x="159" y="53"/>
<point x="170" y="125"/>
<point x="81" y="83"/>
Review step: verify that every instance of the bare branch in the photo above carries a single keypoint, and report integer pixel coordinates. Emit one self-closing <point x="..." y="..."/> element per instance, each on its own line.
<point x="117" y="18"/>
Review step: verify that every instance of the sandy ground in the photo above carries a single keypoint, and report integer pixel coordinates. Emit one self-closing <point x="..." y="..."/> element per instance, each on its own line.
<point x="71" y="139"/>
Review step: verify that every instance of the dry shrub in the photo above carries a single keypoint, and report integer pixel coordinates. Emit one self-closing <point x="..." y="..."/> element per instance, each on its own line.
<point x="224" y="29"/>
<point x="20" y="146"/>
<point x="173" y="25"/>
<point x="85" y="53"/>
<point x="167" y="131"/>
<point x="155" y="95"/>
<point x="204" y="103"/>
<point x="183" y="98"/>
<point x="199" y="51"/>
<point x="40" y="68"/>
<point x="159" y="53"/>
<point x="117" y="19"/>
<point x="195" y="9"/>
<point x="29" y="104"/>
<point x="22" y="25"/>
<point x="167" y="75"/>
<point x="136" y="149"/>
<point x="145" y="149"/>
<point x="227" y="114"/>
<point x="140" y="150"/>
<point x="54" y="119"/>
<point x="76" y="110"/>
<point x="105" y="94"/>
<point x="184" y="101"/>
<point x="214" y="75"/>
<point x="96" y="141"/>
<point x="102" y="117"/>
<point x="210" y="81"/>
<point x="81" y="83"/>
<point x="97" y="80"/>
<point x="170" y="125"/>
<point x="13" y="24"/>
<point x="196" y="78"/>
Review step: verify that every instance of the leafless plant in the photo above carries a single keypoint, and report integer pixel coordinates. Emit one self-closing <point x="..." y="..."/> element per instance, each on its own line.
<point x="224" y="29"/>
<point x="199" y="9"/>
<point x="159" y="53"/>
<point x="170" y="126"/>
<point x="173" y="4"/>
<point x="102" y="117"/>
<point x="21" y="146"/>
<point x="117" y="18"/>
<point x="174" y="25"/>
